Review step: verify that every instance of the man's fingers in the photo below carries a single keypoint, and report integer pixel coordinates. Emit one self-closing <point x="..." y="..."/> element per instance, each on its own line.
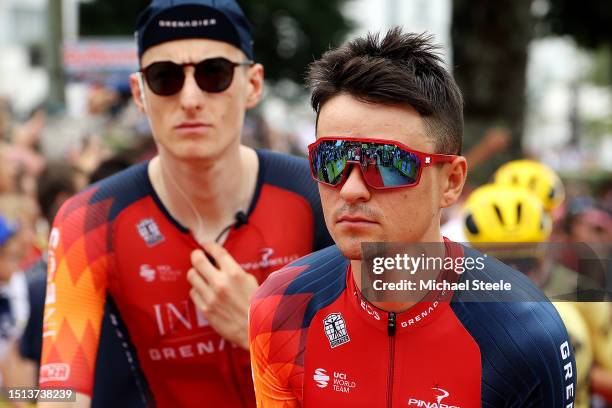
<point x="203" y="265"/>
<point x="200" y="286"/>
<point x="213" y="284"/>
<point x="220" y="255"/>
<point x="197" y="300"/>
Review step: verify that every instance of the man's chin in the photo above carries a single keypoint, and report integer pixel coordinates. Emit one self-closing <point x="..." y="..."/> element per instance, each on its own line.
<point x="350" y="244"/>
<point x="191" y="154"/>
<point x="351" y="251"/>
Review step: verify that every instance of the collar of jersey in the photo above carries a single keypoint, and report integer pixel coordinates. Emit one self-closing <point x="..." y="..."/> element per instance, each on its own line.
<point x="421" y="314"/>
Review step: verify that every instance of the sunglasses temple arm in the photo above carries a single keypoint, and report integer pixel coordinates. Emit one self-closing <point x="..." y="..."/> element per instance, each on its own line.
<point x="429" y="160"/>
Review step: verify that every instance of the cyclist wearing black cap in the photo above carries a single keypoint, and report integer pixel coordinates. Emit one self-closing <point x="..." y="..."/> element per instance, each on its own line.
<point x="177" y="246"/>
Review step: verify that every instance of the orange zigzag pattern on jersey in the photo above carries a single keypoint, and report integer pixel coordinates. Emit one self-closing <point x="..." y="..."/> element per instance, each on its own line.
<point x="79" y="284"/>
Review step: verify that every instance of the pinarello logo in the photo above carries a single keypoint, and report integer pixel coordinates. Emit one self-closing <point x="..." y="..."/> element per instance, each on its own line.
<point x="54" y="372"/>
<point x="267" y="261"/>
<point x="439" y="395"/>
<point x="321" y="378"/>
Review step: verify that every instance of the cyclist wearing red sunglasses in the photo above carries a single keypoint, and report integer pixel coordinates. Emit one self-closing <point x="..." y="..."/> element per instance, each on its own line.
<point x="176" y="247"/>
<point x="389" y="130"/>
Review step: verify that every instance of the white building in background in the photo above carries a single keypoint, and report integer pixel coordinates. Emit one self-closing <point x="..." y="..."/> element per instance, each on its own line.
<point x="431" y="16"/>
<point x="555" y="92"/>
<point x="549" y="91"/>
<point x="23" y="32"/>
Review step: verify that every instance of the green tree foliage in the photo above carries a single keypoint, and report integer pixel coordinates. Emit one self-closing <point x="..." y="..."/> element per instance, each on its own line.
<point x="107" y="18"/>
<point x="288" y="34"/>
<point x="588" y="21"/>
<point x="291" y="34"/>
<point x="490" y="40"/>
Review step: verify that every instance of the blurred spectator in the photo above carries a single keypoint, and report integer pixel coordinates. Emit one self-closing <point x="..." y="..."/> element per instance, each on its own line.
<point x="605" y="192"/>
<point x="9" y="264"/>
<point x="8" y="170"/>
<point x="5" y="118"/>
<point x="492" y="142"/>
<point x="23" y="210"/>
<point x="24" y="151"/>
<point x="56" y="184"/>
<point x="14" y="307"/>
<point x="256" y="132"/>
<point x="493" y="226"/>
<point x="88" y="158"/>
<point x="101" y="99"/>
<point x="587" y="221"/>
<point x="109" y="167"/>
<point x="495" y="140"/>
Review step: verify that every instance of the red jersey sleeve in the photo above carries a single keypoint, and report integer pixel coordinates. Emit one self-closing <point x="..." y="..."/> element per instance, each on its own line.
<point x="79" y="258"/>
<point x="277" y="376"/>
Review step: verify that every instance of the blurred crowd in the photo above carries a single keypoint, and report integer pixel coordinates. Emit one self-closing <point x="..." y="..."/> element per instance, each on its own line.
<point x="560" y="236"/>
<point x="45" y="159"/>
<point x="40" y="168"/>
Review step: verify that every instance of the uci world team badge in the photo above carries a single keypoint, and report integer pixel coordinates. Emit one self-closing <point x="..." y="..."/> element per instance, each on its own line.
<point x="335" y="330"/>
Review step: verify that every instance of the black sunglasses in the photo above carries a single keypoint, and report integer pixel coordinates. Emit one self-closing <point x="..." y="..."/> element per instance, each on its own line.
<point x="213" y="75"/>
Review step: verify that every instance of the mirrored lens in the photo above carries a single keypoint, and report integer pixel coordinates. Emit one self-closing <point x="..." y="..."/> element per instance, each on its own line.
<point x="164" y="78"/>
<point x="328" y="162"/>
<point x="382" y="164"/>
<point x="214" y="75"/>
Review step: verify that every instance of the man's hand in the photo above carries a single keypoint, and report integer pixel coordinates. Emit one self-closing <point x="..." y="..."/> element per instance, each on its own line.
<point x="222" y="292"/>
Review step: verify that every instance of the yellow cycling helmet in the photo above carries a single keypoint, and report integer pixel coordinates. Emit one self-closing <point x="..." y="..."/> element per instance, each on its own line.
<point x="536" y="177"/>
<point x="497" y="213"/>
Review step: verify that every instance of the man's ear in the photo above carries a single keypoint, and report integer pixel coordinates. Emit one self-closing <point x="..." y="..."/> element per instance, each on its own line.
<point x="453" y="178"/>
<point x="256" y="84"/>
<point x="138" y="91"/>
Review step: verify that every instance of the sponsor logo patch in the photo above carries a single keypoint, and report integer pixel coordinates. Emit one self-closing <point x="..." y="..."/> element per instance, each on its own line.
<point x="321" y="378"/>
<point x="335" y="330"/>
<point x="340" y="382"/>
<point x="54" y="372"/>
<point x="149" y="231"/>
<point x="147" y="273"/>
<point x="436" y="402"/>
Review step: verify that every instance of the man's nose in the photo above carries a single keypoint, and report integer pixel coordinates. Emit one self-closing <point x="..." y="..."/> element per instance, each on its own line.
<point x="191" y="96"/>
<point x="354" y="188"/>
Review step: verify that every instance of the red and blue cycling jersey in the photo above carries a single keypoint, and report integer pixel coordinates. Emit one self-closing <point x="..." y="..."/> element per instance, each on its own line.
<point x="316" y="342"/>
<point x="116" y="243"/>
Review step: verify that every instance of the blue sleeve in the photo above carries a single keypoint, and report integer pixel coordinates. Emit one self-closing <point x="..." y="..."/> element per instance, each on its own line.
<point x="30" y="343"/>
<point x="526" y="354"/>
<point x="527" y="360"/>
<point x="118" y="382"/>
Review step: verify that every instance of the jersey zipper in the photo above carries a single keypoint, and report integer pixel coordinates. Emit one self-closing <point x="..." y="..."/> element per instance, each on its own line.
<point x="391" y="326"/>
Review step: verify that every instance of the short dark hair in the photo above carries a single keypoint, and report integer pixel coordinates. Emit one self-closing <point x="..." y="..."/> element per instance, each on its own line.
<point x="401" y="68"/>
<point x="109" y="167"/>
<point x="55" y="184"/>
